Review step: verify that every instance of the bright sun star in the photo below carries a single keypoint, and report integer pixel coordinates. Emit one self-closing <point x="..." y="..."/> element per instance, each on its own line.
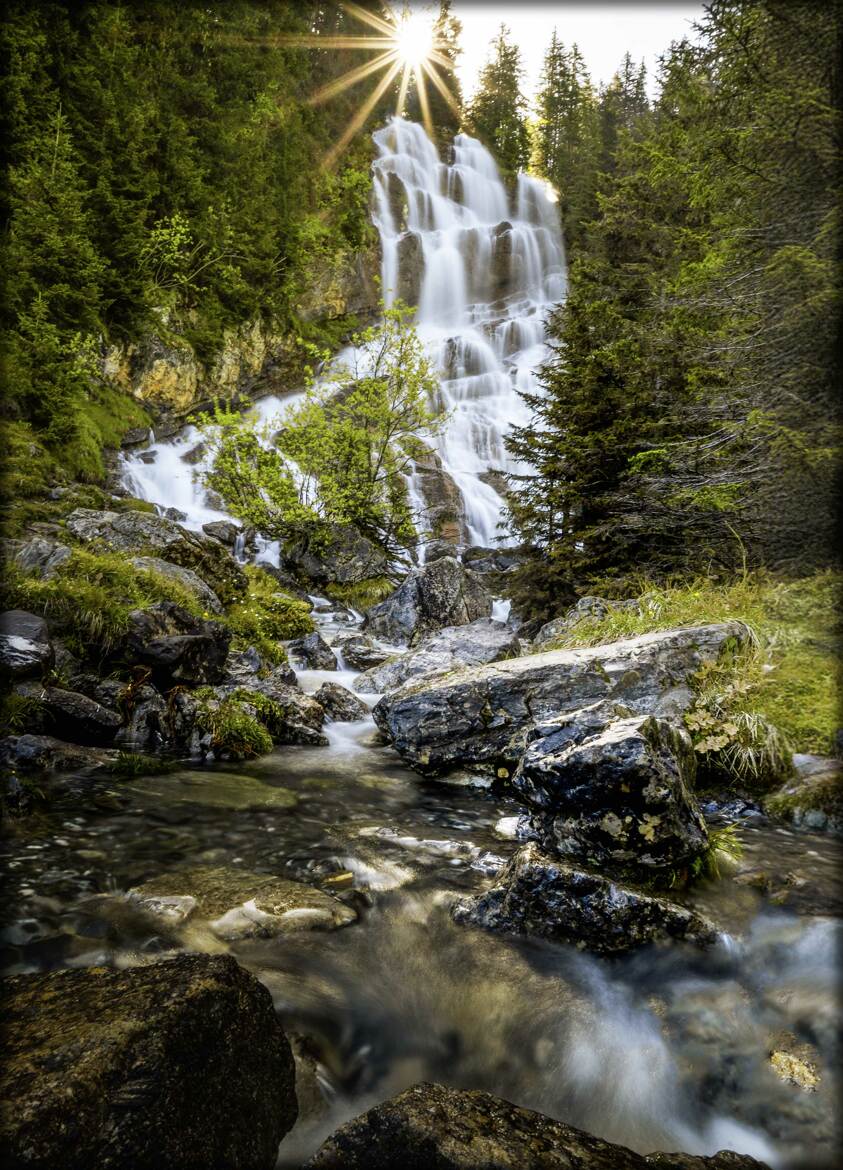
<point x="407" y="44"/>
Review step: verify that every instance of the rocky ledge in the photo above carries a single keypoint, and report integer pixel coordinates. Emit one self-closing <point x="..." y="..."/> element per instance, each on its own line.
<point x="432" y="1127"/>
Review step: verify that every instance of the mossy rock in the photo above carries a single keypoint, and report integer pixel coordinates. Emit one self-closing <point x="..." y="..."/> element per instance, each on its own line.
<point x="814" y="800"/>
<point x="213" y="790"/>
<point x="178" y="1063"/>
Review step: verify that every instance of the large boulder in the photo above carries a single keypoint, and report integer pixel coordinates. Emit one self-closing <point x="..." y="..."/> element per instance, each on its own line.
<point x="360" y="652"/>
<point x="44" y="753"/>
<point x="312" y="651"/>
<point x="479" y="717"/>
<point x="142" y="533"/>
<point x="239" y="904"/>
<point x="25" y="649"/>
<point x="177" y="647"/>
<point x="440" y="594"/>
<point x="178" y="1063"/>
<point x="72" y="716"/>
<point x="191" y="581"/>
<point x="813" y="798"/>
<point x="616" y="794"/>
<point x="541" y="896"/>
<point x="341" y="555"/>
<point x="434" y="1127"/>
<point x="339" y="704"/>
<point x="449" y="649"/>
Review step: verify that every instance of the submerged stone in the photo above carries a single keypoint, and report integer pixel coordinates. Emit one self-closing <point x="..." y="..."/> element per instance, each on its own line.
<point x="213" y="789"/>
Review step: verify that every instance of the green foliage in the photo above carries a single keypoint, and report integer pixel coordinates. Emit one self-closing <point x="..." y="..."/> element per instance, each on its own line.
<point x="266" y="616"/>
<point x="235" y="733"/>
<point x="270" y="713"/>
<point x="724" y="844"/>
<point x="364" y="594"/>
<point x="19" y="713"/>
<point x="497" y="114"/>
<point x="341" y="455"/>
<point x="130" y="765"/>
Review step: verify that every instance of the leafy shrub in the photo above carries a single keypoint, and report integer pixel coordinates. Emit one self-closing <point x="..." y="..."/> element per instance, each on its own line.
<point x="267" y="616"/>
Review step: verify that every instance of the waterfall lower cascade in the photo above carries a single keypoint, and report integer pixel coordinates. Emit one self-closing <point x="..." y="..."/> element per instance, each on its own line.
<point x="484" y="268"/>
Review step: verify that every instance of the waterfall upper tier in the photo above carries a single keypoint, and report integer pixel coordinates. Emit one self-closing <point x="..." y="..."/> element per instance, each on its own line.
<point x="484" y="265"/>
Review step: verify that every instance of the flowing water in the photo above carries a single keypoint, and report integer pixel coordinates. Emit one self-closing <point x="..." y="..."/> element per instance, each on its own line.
<point x="664" y="1049"/>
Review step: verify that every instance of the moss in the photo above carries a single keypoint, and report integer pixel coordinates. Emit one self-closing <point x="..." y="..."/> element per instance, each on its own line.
<point x="266" y="616"/>
<point x="271" y="714"/>
<point x="129" y="765"/>
<point x="235" y="733"/>
<point x="823" y="794"/>
<point x="364" y="594"/>
<point x="108" y="414"/>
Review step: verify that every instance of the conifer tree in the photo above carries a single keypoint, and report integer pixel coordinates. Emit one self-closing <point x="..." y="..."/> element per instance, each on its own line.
<point x="497" y="112"/>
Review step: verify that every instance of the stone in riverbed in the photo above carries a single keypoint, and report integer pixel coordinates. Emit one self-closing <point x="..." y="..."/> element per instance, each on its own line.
<point x="239" y="904"/>
<point x="25" y="650"/>
<point x="434" y="1127"/>
<point x="443" y="593"/>
<point x="342" y="556"/>
<point x="72" y="716"/>
<point x="616" y="794"/>
<point x="479" y="717"/>
<point x="179" y="1063"/>
<point x="361" y="653"/>
<point x="339" y="704"/>
<point x="44" y="753"/>
<point x="450" y="649"/>
<point x="541" y="896"/>
<point x="212" y="789"/>
<point x="312" y="651"/>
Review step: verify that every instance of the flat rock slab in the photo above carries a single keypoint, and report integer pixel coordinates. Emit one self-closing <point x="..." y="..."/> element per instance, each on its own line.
<point x="479" y="717"/>
<point x="213" y="789"/>
<point x="540" y="896"/>
<point x="179" y="1063"/>
<point x="433" y="1127"/>
<point x="239" y="904"/>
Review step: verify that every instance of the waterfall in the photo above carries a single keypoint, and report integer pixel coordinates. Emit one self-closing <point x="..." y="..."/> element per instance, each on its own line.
<point x="484" y="267"/>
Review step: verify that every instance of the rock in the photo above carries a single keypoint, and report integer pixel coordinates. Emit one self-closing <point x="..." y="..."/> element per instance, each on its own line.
<point x="360" y="652"/>
<point x="449" y="649"/>
<point x="440" y="594"/>
<point x="211" y="788"/>
<point x="244" y="668"/>
<point x="145" y="534"/>
<point x="434" y="550"/>
<point x="72" y="716"/>
<point x="148" y="725"/>
<point x="339" y="704"/>
<point x="614" y="793"/>
<point x="225" y="531"/>
<point x="25" y="650"/>
<point x="586" y="607"/>
<point x="239" y="904"/>
<point x="312" y="651"/>
<point x="178" y="1063"/>
<point x="43" y="753"/>
<point x="539" y="895"/>
<point x="191" y="581"/>
<point x="174" y="514"/>
<point x="39" y="557"/>
<point x="814" y="798"/>
<point x="444" y="506"/>
<point x="177" y="647"/>
<point x="342" y="556"/>
<point x="410" y="266"/>
<point x="287" y="581"/>
<point x="299" y="708"/>
<point x="433" y="1127"/>
<point x="479" y="717"/>
<point x="136" y="437"/>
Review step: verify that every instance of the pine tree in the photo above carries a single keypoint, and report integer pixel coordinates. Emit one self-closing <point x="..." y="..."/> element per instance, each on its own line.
<point x="497" y="112"/>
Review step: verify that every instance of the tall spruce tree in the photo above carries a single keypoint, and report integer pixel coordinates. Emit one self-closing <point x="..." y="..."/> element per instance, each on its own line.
<point x="497" y="112"/>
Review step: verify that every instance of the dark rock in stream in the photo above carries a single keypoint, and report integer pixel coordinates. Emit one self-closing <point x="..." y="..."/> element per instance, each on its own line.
<point x="434" y="1127"/>
<point x="442" y="593"/>
<point x="312" y="651"/>
<point x="25" y="650"/>
<point x="344" y="556"/>
<point x="360" y="652"/>
<point x="541" y="896"/>
<point x="178" y="1063"/>
<point x="339" y="704"/>
<point x="43" y="753"/>
<point x="176" y="646"/>
<point x="72" y="715"/>
<point x="480" y="717"/>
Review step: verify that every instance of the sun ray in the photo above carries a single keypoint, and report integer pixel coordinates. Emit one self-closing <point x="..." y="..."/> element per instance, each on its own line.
<point x="402" y="93"/>
<point x="442" y="87"/>
<point x="423" y="102"/>
<point x="351" y="77"/>
<point x="315" y="41"/>
<point x="369" y="18"/>
<point x="361" y="116"/>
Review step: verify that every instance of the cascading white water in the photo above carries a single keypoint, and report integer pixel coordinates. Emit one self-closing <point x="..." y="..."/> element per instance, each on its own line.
<point x="484" y="270"/>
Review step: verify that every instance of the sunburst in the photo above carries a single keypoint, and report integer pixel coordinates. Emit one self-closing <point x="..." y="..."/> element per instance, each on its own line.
<point x="407" y="45"/>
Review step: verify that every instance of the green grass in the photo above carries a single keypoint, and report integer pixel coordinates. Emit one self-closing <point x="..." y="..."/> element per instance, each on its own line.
<point x="235" y="733"/>
<point x="266" y="616"/>
<point x="364" y="594"/>
<point x="780" y="694"/>
<point x="130" y="765"/>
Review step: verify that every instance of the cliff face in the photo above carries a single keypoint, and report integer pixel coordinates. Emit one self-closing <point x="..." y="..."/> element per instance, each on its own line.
<point x="164" y="372"/>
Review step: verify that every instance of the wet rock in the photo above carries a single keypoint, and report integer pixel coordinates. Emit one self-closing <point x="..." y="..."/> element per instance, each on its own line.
<point x="449" y="649"/>
<point x="174" y="514"/>
<point x="191" y="581"/>
<point x="225" y="531"/>
<point x="177" y="647"/>
<point x="479" y="717"/>
<point x="539" y="895"/>
<point x="342" y="556"/>
<point x="434" y="550"/>
<point x="440" y="594"/>
<point x="299" y="708"/>
<point x="72" y="716"/>
<point x="410" y="267"/>
<point x="587" y="607"/>
<point x="178" y="1063"/>
<point x="814" y="798"/>
<point x="145" y="534"/>
<point x="44" y="753"/>
<point x="444" y="505"/>
<point x="312" y="651"/>
<point x="136" y="436"/>
<point x="239" y="904"/>
<point x="210" y="789"/>
<point x="25" y="650"/>
<point x="148" y="724"/>
<point x="433" y="1127"/>
<point x="614" y="793"/>
<point x="360" y="652"/>
<point x="38" y="556"/>
<point x="339" y="704"/>
<point x="246" y="667"/>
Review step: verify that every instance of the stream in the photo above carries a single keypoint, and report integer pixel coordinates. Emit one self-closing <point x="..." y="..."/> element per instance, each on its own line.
<point x="667" y="1048"/>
